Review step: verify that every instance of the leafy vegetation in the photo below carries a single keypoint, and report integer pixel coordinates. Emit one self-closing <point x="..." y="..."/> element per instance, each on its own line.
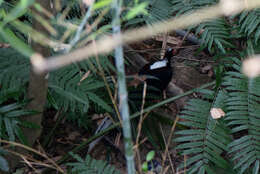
<point x="10" y="112"/>
<point x="230" y="143"/>
<point x="89" y="165"/>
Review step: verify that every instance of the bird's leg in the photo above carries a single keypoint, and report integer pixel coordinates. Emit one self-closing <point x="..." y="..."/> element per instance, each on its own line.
<point x="164" y="94"/>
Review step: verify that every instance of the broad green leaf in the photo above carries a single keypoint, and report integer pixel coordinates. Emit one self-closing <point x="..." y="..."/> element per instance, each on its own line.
<point x="145" y="166"/>
<point x="150" y="155"/>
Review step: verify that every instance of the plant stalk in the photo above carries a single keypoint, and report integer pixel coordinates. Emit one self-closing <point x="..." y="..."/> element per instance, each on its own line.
<point x="122" y="91"/>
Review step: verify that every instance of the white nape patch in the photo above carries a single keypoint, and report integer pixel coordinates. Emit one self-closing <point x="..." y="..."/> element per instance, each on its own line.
<point x="159" y="64"/>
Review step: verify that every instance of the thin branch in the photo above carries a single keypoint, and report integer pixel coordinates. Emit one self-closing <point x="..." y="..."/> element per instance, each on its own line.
<point x="34" y="151"/>
<point x="169" y="157"/>
<point x="139" y="128"/>
<point x="102" y="74"/>
<point x="169" y="141"/>
<point x="80" y="28"/>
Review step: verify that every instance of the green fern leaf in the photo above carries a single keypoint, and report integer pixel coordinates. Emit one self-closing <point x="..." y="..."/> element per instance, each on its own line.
<point x="243" y="105"/>
<point x="207" y="138"/>
<point x="249" y="23"/>
<point x="91" y="166"/>
<point x="14" y="69"/>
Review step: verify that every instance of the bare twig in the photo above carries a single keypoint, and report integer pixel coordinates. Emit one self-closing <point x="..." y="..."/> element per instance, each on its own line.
<point x="169" y="140"/>
<point x="32" y="150"/>
<point x="139" y="128"/>
<point x="102" y="74"/>
<point x="80" y="28"/>
<point x="168" y="154"/>
<point x="164" y="44"/>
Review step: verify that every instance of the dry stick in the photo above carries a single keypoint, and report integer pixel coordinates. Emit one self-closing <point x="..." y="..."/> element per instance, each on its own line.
<point x="108" y="89"/>
<point x="169" y="141"/>
<point x="164" y="44"/>
<point x="46" y="24"/>
<point x="46" y="12"/>
<point x="115" y="86"/>
<point x="80" y="28"/>
<point x="108" y="43"/>
<point x="39" y="163"/>
<point x="156" y="49"/>
<point x="167" y="153"/>
<point x="32" y="150"/>
<point x="139" y="128"/>
<point x="93" y="25"/>
<point x="28" y="163"/>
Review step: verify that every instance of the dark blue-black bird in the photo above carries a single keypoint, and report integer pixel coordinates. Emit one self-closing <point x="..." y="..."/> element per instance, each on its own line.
<point x="158" y="74"/>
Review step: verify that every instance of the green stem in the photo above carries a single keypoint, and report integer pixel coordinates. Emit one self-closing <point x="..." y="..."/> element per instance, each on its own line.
<point x="122" y="90"/>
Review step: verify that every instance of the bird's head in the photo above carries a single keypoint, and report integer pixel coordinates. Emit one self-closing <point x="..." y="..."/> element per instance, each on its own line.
<point x="170" y="52"/>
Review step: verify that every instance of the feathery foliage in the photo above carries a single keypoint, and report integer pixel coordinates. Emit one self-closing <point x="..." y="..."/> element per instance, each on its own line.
<point x="66" y="90"/>
<point x="207" y="142"/>
<point x="207" y="138"/>
<point x="187" y="6"/>
<point x="215" y="34"/>
<point x="91" y="166"/>
<point x="71" y="91"/>
<point x="10" y="112"/>
<point x="249" y="24"/>
<point x="243" y="115"/>
<point x="14" y="69"/>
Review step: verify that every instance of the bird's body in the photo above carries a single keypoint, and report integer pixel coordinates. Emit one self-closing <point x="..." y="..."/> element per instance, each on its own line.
<point x="159" y="73"/>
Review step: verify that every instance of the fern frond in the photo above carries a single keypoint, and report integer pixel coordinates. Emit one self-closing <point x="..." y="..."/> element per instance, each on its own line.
<point x="91" y="166"/>
<point x="187" y="6"/>
<point x="217" y="33"/>
<point x="14" y="69"/>
<point x="10" y="113"/>
<point x="249" y="23"/>
<point x="243" y="114"/>
<point x="207" y="138"/>
<point x="158" y="11"/>
<point x="70" y="93"/>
